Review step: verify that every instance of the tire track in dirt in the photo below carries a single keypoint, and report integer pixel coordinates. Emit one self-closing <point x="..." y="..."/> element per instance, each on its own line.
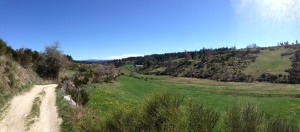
<point x="14" y="119"/>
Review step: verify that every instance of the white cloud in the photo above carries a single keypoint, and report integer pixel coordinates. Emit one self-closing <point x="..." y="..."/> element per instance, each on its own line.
<point x="122" y="56"/>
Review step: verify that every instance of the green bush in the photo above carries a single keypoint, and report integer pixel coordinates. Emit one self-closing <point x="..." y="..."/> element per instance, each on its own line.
<point x="246" y="118"/>
<point x="118" y="121"/>
<point x="2" y="47"/>
<point x="201" y="119"/>
<point x="88" y="122"/>
<point x="161" y="112"/>
<point x="280" y="125"/>
<point x="79" y="95"/>
<point x="165" y="111"/>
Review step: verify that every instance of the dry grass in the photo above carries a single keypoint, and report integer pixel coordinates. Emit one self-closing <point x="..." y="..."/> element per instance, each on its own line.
<point x="269" y="61"/>
<point x="268" y="90"/>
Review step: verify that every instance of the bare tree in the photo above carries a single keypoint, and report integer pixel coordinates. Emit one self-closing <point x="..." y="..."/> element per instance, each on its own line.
<point x="252" y="46"/>
<point x="187" y="55"/>
<point x="112" y="72"/>
<point x="52" y="62"/>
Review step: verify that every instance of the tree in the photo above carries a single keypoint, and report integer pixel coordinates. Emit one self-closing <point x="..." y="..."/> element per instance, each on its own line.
<point x="69" y="57"/>
<point x="112" y="72"/>
<point x="2" y="47"/>
<point x="24" y="57"/>
<point x="252" y="46"/>
<point x="9" y="52"/>
<point x="53" y="60"/>
<point x="187" y="55"/>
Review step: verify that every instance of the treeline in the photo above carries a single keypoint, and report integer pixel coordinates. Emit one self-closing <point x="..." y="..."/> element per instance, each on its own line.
<point x="223" y="64"/>
<point x="167" y="111"/>
<point x="47" y="63"/>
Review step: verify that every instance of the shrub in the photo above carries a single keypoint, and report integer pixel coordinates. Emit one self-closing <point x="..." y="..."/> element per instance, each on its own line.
<point x="120" y="121"/>
<point x="2" y="47"/>
<point x="161" y="112"/>
<point x="246" y="118"/>
<point x="280" y="125"/>
<point x="86" y="121"/>
<point x="252" y="117"/>
<point x="80" y="96"/>
<point x="233" y="119"/>
<point x="201" y="119"/>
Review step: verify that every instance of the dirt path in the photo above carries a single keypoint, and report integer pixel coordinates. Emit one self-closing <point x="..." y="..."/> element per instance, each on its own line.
<point x="14" y="118"/>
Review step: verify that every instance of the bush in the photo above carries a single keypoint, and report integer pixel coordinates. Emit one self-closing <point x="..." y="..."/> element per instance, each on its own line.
<point x="280" y="125"/>
<point x="246" y="118"/>
<point x="120" y="121"/>
<point x="201" y="119"/>
<point x="86" y="121"/>
<point x="80" y="96"/>
<point x="233" y="119"/>
<point x="2" y="47"/>
<point x="162" y="113"/>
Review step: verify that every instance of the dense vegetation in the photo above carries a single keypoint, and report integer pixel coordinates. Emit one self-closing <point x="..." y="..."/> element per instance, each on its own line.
<point x="46" y="64"/>
<point x="14" y="78"/>
<point x="277" y="64"/>
<point x="142" y="103"/>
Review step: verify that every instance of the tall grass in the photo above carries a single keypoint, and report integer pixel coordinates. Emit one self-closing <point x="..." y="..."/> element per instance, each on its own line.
<point x="247" y="118"/>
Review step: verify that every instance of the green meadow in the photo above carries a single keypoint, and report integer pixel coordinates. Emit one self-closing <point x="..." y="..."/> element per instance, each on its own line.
<point x="128" y="92"/>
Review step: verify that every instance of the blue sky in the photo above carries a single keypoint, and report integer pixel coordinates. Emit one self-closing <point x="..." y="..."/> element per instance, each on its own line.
<point x="102" y="29"/>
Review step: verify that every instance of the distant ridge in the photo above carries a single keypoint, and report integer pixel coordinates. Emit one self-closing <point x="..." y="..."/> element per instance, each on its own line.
<point x="93" y="61"/>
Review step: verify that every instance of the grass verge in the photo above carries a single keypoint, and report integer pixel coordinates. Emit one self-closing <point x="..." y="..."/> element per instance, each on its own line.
<point x="64" y="112"/>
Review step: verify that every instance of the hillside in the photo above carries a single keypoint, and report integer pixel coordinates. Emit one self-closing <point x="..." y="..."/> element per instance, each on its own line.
<point x="277" y="64"/>
<point x="14" y="78"/>
<point x="268" y="61"/>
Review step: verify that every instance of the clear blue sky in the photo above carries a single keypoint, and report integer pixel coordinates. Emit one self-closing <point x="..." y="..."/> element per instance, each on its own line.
<point x="99" y="29"/>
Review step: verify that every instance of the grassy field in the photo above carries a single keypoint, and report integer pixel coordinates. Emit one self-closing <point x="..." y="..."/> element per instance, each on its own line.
<point x="269" y="61"/>
<point x="127" y="92"/>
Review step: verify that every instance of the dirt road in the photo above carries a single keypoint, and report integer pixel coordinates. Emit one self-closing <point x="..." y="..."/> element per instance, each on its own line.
<point x="14" y="117"/>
